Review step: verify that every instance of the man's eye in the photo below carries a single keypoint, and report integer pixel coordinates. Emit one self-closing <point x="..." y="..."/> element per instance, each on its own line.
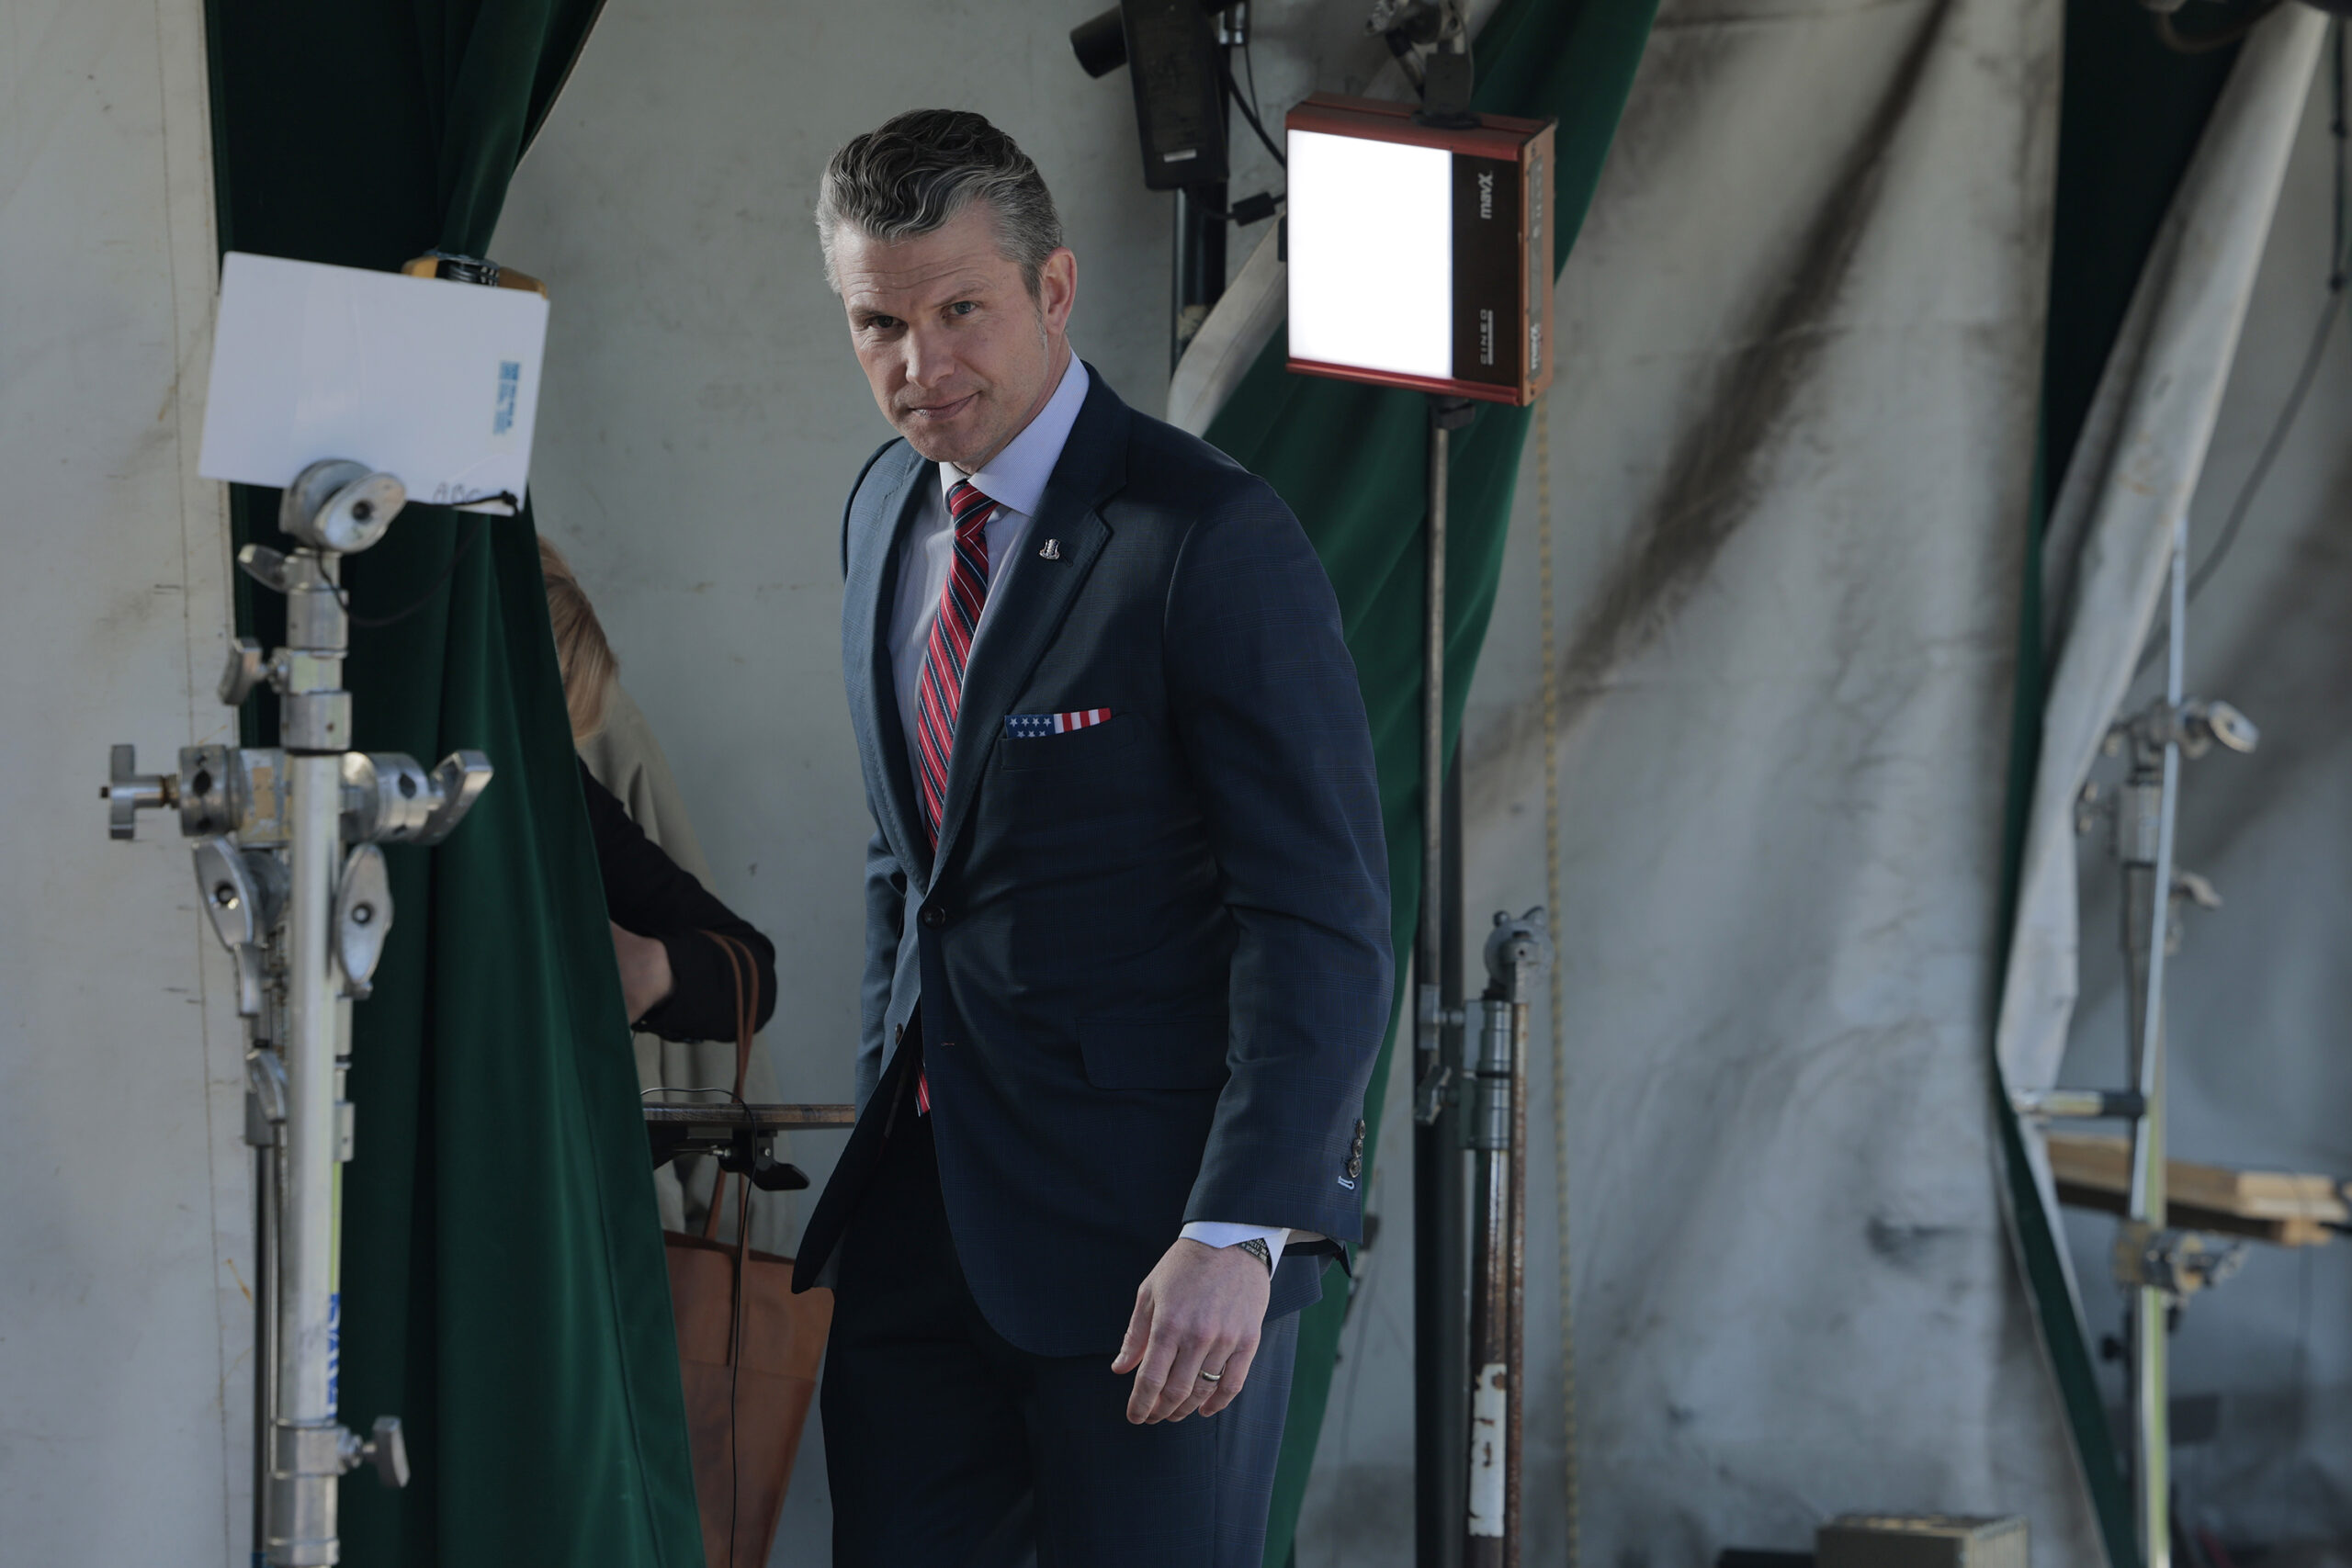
<point x="881" y="324"/>
<point x="963" y="308"/>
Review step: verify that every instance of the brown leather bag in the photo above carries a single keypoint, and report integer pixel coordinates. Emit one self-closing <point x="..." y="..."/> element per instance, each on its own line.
<point x="747" y="1349"/>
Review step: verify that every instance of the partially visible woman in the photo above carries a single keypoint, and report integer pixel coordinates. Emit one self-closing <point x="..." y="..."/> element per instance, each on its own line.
<point x="622" y="764"/>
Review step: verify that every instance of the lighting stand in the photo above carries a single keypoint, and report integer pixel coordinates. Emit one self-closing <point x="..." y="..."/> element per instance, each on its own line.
<point x="2158" y="1267"/>
<point x="1441" y="1264"/>
<point x="1517" y="952"/>
<point x="1198" y="269"/>
<point x="1467" y="1349"/>
<point x="288" y="870"/>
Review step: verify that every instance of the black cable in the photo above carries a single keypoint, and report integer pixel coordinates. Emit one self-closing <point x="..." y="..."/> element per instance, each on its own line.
<point x="1249" y="110"/>
<point x="2285" y="423"/>
<point x="2205" y="43"/>
<point x="2278" y="432"/>
<point x="375" y="623"/>
<point x="2327" y="319"/>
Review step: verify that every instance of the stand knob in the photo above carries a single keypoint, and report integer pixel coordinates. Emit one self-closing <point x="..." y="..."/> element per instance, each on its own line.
<point x="386" y="1450"/>
<point x="264" y="565"/>
<point x="242" y="891"/>
<point x="128" y="792"/>
<point x="457" y="781"/>
<point x="246" y="669"/>
<point x="363" y="917"/>
<point x="2219" y="722"/>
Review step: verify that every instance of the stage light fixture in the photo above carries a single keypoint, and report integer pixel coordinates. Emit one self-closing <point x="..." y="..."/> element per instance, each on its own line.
<point x="1172" y="49"/>
<point x="1419" y="255"/>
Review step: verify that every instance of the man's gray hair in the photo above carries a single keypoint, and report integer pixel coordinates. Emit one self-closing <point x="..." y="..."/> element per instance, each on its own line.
<point x="915" y="171"/>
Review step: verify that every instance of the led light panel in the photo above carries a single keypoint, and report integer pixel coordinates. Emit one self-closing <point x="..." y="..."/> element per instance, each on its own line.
<point x="1371" y="254"/>
<point x="1420" y="256"/>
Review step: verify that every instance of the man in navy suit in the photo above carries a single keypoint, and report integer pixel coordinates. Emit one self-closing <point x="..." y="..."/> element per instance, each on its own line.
<point x="1126" y="918"/>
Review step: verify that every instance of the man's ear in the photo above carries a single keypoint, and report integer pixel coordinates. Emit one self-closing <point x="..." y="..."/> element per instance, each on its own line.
<point x="1058" y="287"/>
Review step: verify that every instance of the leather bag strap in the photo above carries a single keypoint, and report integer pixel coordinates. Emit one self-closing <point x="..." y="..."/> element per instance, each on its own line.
<point x="747" y="1009"/>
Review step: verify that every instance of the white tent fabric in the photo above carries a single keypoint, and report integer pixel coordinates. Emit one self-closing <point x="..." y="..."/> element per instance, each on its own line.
<point x="2258" y="992"/>
<point x="1244" y="319"/>
<point x="2127" y="487"/>
<point x="126" y="1337"/>
<point x="1794" y="433"/>
<point x="2125" y="497"/>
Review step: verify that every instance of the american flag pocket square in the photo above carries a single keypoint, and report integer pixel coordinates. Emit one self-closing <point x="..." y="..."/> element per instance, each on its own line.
<point x="1030" y="725"/>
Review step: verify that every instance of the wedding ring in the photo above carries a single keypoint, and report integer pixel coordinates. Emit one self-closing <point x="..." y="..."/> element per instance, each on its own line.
<point x="1207" y="1376"/>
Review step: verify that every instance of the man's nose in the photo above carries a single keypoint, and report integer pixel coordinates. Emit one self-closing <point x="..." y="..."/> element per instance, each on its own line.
<point x="928" y="360"/>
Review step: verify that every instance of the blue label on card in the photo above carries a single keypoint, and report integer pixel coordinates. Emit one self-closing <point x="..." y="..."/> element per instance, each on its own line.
<point x="510" y="384"/>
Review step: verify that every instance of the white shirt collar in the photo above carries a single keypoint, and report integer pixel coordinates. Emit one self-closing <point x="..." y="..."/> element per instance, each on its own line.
<point x="1016" y="477"/>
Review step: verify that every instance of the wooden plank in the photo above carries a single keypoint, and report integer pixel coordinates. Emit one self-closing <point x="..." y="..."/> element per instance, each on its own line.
<point x="2282" y="1208"/>
<point x="726" y="1113"/>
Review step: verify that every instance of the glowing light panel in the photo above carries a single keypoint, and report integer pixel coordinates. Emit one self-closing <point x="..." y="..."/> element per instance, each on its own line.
<point x="1371" y="254"/>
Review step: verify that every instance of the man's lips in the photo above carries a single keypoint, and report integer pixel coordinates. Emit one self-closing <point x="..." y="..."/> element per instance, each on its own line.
<point x="942" y="411"/>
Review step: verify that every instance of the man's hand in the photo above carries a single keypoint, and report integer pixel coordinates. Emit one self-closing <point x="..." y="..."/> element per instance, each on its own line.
<point x="646" y="981"/>
<point x="1199" y="1311"/>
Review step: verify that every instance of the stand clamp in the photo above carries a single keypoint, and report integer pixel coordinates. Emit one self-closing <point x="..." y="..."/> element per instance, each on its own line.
<point x="2176" y="1262"/>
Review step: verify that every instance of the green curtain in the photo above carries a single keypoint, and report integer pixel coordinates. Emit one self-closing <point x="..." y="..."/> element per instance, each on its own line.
<point x="504" y="1286"/>
<point x="2130" y="114"/>
<point x="1349" y="461"/>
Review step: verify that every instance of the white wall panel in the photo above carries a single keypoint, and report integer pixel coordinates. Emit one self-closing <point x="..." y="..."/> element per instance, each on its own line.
<point x="123" y="1323"/>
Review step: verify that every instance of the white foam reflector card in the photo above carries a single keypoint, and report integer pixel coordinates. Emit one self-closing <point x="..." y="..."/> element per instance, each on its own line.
<point x="433" y="382"/>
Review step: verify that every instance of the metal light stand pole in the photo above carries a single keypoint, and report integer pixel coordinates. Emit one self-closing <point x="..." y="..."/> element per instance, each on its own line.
<point x="1440" y="1262"/>
<point x="2158" y="1267"/>
<point x="305" y="918"/>
<point x="1517" y="952"/>
<point x="1197" y="271"/>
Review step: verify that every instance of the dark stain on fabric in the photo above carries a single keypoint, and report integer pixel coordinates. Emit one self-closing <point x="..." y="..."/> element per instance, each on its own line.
<point x="1718" y="468"/>
<point x="1906" y="1247"/>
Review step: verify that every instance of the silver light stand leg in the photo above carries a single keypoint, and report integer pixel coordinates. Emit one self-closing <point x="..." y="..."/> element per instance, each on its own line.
<point x="1516" y="952"/>
<point x="2150" y="806"/>
<point x="307" y="1454"/>
<point x="265" y="1326"/>
<point x="265" y="1129"/>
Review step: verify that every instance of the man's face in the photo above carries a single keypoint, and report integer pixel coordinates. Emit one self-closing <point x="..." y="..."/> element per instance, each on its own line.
<point x="960" y="356"/>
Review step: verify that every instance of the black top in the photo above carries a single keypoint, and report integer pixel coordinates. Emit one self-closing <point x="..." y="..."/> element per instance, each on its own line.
<point x="650" y="894"/>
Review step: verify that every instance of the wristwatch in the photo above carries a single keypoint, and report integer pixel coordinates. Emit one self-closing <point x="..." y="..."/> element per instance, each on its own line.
<point x="1255" y="1247"/>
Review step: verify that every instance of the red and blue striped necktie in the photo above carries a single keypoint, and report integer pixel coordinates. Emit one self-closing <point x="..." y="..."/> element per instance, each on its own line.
<point x="940" y="695"/>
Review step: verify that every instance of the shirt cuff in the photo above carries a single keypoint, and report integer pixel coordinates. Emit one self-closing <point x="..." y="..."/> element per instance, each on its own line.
<point x="1217" y="1232"/>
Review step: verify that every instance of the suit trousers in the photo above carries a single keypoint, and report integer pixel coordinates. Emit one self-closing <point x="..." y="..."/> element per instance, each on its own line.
<point x="948" y="1448"/>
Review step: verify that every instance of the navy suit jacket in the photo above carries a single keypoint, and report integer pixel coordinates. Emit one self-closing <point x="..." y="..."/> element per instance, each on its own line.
<point x="1147" y="967"/>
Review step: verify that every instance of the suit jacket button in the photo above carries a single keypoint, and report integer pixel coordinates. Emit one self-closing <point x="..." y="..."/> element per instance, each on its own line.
<point x="933" y="916"/>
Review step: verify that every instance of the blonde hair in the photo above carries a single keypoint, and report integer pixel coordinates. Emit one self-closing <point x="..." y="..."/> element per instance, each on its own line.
<point x="589" y="665"/>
